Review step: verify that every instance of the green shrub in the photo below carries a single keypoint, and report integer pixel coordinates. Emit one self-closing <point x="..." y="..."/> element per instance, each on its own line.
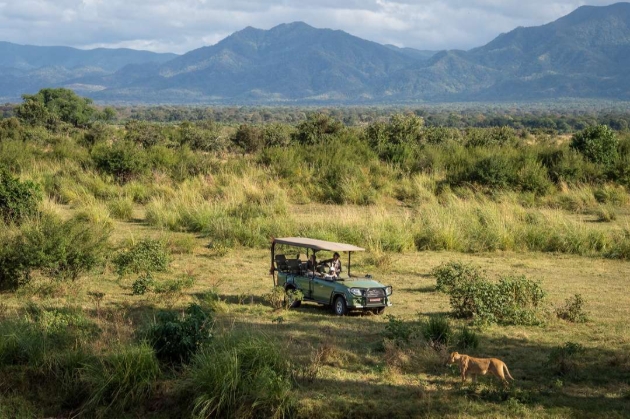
<point x="452" y="274"/>
<point x="597" y="144"/>
<point x="18" y="200"/>
<point x="437" y="331"/>
<point x="176" y="338"/>
<point x="59" y="249"/>
<point x="467" y="339"/>
<point x="511" y="300"/>
<point x="146" y="256"/>
<point x="241" y="376"/>
<point x="573" y="310"/>
<point x="123" y="160"/>
<point x="122" y="379"/>
<point x="141" y="285"/>
<point x="564" y="359"/>
<point x="276" y="297"/>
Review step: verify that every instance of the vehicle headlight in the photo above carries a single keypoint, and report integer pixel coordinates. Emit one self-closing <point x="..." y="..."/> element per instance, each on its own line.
<point x="356" y="291"/>
<point x="388" y="290"/>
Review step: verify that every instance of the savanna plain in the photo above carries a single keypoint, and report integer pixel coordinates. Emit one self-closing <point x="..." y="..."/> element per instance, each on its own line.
<point x="134" y="262"/>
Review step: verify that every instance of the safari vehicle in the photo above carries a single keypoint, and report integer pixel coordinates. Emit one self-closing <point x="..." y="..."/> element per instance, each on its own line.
<point x="342" y="292"/>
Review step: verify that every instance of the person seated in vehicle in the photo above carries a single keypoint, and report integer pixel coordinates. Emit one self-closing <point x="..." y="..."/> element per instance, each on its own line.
<point x="311" y="265"/>
<point x="334" y="264"/>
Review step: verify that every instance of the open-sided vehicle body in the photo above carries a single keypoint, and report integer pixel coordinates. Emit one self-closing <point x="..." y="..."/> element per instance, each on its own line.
<point x="343" y="292"/>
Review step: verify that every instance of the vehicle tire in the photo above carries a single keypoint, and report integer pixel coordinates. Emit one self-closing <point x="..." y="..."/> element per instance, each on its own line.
<point x="379" y="310"/>
<point x="295" y="303"/>
<point x="339" y="306"/>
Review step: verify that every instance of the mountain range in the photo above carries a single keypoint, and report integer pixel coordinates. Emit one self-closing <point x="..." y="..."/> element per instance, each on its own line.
<point x="585" y="54"/>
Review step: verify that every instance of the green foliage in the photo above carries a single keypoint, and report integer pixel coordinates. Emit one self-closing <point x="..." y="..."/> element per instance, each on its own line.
<point x="59" y="249"/>
<point x="249" y="138"/>
<point x="141" y="285"/>
<point x="176" y="338"/>
<point x="123" y="160"/>
<point x="573" y="310"/>
<point x="51" y="105"/>
<point x="145" y="256"/>
<point x="466" y="338"/>
<point x="201" y="136"/>
<point x="18" y="200"/>
<point x="512" y="300"/>
<point x="564" y="359"/>
<point x="398" y="330"/>
<point x="316" y="129"/>
<point x="121" y="379"/>
<point x="597" y="144"/>
<point x="437" y="331"/>
<point x="495" y="136"/>
<point x="144" y="133"/>
<point x="240" y="376"/>
<point x="453" y="274"/>
<point x="275" y="297"/>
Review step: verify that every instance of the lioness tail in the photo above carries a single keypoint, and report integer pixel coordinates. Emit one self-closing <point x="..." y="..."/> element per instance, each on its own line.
<point x="505" y="368"/>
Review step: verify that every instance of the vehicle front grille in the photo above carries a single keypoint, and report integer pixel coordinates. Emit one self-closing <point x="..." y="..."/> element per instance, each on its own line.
<point x="375" y="293"/>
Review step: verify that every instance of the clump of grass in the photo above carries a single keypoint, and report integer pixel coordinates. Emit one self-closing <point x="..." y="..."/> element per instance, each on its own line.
<point x="564" y="359"/>
<point x="467" y="338"/>
<point x="240" y="375"/>
<point x="121" y="379"/>
<point x="437" y="331"/>
<point x="605" y="214"/>
<point x="121" y="208"/>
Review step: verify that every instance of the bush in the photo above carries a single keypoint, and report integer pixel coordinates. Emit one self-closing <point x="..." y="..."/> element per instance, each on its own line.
<point x="452" y="274"/>
<point x="241" y="376"/>
<point x="437" y="331"/>
<point x="123" y="160"/>
<point x="597" y="144"/>
<point x="512" y="300"/>
<point x="573" y="310"/>
<point x="176" y="338"/>
<point x="144" y="257"/>
<point x="59" y="249"/>
<point x="141" y="285"/>
<point x="563" y="358"/>
<point x="18" y="200"/>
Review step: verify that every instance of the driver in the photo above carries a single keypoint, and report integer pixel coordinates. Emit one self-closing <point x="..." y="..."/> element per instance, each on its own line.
<point x="335" y="264"/>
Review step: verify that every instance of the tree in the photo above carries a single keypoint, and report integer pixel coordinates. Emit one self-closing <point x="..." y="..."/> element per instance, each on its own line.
<point x="597" y="144"/>
<point x="316" y="128"/>
<point x="51" y="105"/>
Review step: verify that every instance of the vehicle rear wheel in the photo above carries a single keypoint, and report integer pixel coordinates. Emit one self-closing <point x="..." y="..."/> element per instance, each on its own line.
<point x="289" y="300"/>
<point x="379" y="310"/>
<point x="339" y="306"/>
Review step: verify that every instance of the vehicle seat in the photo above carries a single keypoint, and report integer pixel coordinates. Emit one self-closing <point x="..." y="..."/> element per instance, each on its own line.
<point x="293" y="266"/>
<point x="281" y="263"/>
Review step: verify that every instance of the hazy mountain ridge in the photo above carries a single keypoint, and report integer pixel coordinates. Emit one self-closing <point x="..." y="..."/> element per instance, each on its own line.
<point x="582" y="55"/>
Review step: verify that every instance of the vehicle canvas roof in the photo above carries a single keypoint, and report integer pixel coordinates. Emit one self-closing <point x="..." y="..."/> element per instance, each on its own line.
<point x="318" y="244"/>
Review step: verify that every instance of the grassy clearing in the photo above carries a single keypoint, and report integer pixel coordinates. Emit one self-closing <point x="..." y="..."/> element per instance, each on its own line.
<point x="349" y="370"/>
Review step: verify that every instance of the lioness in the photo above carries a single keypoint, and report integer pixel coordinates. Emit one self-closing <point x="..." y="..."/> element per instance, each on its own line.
<point x="475" y="366"/>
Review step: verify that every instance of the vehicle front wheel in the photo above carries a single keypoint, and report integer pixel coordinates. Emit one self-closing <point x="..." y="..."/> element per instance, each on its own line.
<point x="379" y="310"/>
<point x="339" y="306"/>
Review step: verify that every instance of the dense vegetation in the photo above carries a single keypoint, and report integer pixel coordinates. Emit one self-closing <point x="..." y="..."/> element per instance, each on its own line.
<point x="72" y="174"/>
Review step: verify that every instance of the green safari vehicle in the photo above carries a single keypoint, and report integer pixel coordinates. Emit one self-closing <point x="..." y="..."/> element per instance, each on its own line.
<point x="319" y="284"/>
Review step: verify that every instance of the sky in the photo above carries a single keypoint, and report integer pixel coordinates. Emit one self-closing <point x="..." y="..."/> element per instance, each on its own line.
<point x="183" y="25"/>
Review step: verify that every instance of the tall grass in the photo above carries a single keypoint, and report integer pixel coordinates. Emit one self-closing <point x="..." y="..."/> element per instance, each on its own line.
<point x="240" y="375"/>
